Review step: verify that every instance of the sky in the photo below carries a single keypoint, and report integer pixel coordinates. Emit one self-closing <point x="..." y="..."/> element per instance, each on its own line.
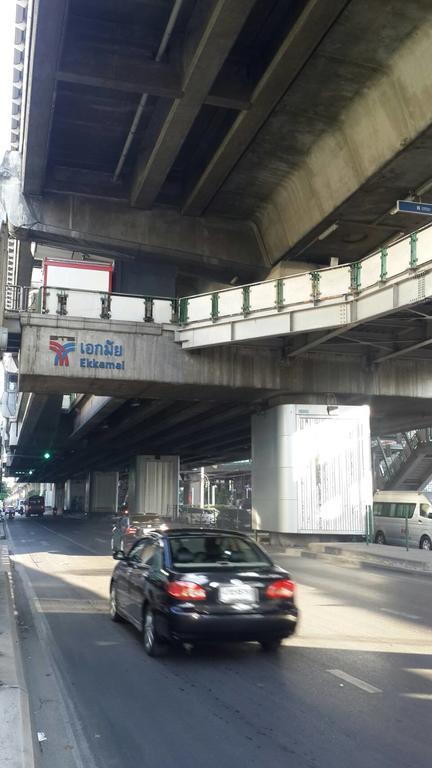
<point x="7" y="32"/>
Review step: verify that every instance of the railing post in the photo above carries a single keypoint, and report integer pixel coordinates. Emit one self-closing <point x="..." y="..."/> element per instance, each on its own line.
<point x="62" y="303"/>
<point x="106" y="307"/>
<point x="383" y="272"/>
<point x="148" y="310"/>
<point x="279" y="284"/>
<point x="315" y="280"/>
<point x="246" y="306"/>
<point x="174" y="311"/>
<point x="413" y="250"/>
<point x="355" y="268"/>
<point x="183" y="311"/>
<point x="214" y="306"/>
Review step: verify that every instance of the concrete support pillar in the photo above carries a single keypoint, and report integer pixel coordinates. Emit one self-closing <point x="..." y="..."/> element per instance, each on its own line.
<point x="60" y="497"/>
<point x="102" y="493"/>
<point x="75" y="495"/>
<point x="154" y="485"/>
<point x="311" y="469"/>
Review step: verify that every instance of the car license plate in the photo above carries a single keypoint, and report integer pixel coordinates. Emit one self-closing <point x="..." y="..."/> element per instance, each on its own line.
<point x="237" y="594"/>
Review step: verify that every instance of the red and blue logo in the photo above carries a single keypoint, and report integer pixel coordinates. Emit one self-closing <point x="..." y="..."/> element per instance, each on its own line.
<point x="62" y="346"/>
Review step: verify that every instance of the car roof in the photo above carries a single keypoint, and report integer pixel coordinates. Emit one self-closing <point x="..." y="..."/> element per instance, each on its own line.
<point x="203" y="531"/>
<point x="172" y="532"/>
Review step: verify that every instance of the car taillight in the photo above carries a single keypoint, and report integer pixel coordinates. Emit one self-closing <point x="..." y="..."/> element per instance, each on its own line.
<point x="130" y="529"/>
<point x="283" y="588"/>
<point x="186" y="590"/>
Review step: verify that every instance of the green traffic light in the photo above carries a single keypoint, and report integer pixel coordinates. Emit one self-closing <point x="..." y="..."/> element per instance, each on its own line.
<point x="47" y="455"/>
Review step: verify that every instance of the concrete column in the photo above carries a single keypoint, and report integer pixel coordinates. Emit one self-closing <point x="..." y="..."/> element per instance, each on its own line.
<point x="75" y="495"/>
<point x="59" y="497"/>
<point x="153" y="485"/>
<point x="102" y="493"/>
<point x="311" y="469"/>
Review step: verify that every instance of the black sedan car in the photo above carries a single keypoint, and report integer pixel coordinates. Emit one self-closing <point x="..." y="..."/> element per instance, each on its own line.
<point x="195" y="585"/>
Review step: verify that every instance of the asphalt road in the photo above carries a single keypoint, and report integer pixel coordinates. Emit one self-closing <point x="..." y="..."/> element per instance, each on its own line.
<point x="353" y="687"/>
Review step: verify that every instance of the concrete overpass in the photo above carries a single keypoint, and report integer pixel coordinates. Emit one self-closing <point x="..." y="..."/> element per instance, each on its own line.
<point x="204" y="145"/>
<point x="224" y="138"/>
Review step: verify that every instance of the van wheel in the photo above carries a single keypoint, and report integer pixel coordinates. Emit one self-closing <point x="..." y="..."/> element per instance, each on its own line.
<point x="425" y="543"/>
<point x="380" y="538"/>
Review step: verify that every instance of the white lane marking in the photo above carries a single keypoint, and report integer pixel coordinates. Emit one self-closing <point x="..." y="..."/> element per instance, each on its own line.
<point x="401" y="613"/>
<point x="427" y="673"/>
<point x="421" y="696"/>
<point x="72" y="541"/>
<point x="354" y="681"/>
<point x="101" y="541"/>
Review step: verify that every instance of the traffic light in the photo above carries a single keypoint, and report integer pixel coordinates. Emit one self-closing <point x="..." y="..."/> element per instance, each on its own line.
<point x="46" y="455"/>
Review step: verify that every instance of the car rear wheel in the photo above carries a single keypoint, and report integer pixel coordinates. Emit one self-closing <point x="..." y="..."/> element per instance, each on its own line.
<point x="153" y="644"/>
<point x="115" y="616"/>
<point x="380" y="538"/>
<point x="270" y="646"/>
<point x="425" y="543"/>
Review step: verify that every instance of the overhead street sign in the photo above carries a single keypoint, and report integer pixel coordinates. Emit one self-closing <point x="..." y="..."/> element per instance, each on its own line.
<point x="407" y="206"/>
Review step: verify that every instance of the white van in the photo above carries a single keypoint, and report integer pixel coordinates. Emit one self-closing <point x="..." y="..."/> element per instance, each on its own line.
<point x="392" y="508"/>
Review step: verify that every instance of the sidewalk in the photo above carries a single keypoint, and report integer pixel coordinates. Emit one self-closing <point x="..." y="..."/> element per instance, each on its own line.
<point x="395" y="558"/>
<point x="16" y="747"/>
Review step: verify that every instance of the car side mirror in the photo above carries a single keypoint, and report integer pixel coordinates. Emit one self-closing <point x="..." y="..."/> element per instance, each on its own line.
<point x="119" y="555"/>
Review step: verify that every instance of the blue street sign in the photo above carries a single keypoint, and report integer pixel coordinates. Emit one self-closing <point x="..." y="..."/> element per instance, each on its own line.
<point x="407" y="206"/>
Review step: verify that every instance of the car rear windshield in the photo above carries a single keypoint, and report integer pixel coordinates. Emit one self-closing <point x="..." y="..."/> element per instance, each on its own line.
<point x="197" y="552"/>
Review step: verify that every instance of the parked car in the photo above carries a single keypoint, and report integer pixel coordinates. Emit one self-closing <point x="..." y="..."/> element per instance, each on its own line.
<point x="192" y="585"/>
<point x="198" y="515"/>
<point x="35" y="505"/>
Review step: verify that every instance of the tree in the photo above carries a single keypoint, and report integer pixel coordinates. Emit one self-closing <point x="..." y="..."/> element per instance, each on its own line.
<point x="4" y="491"/>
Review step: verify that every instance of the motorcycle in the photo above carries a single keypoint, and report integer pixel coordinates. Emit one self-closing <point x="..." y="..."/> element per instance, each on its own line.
<point x="11" y="514"/>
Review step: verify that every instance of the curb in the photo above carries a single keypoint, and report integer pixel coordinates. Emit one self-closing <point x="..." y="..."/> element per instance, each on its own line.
<point x="16" y="739"/>
<point x="350" y="559"/>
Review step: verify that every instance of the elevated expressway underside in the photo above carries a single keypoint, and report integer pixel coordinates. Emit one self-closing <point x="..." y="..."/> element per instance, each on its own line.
<point x="227" y="141"/>
<point x="222" y="138"/>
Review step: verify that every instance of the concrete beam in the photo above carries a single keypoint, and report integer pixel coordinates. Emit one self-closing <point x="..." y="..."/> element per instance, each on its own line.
<point x="155" y="366"/>
<point x="112" y="228"/>
<point x="48" y="22"/>
<point x="299" y="44"/>
<point x="211" y="33"/>
<point x="113" y="73"/>
<point x="355" y="160"/>
<point x="151" y="363"/>
<point x="90" y="412"/>
<point x="97" y="69"/>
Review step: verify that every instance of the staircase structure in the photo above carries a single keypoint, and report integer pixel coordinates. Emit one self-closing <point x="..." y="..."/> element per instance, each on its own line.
<point x="409" y="465"/>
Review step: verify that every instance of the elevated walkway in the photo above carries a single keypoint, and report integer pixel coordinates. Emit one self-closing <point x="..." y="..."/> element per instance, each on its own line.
<point x="359" y="331"/>
<point x="410" y="468"/>
<point x="320" y="306"/>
